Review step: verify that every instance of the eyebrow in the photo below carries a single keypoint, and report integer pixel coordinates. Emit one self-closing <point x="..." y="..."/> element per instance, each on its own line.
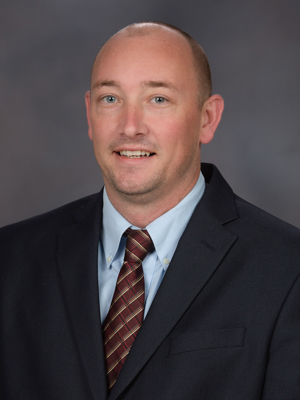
<point x="106" y="82"/>
<point x="150" y="84"/>
<point x="157" y="84"/>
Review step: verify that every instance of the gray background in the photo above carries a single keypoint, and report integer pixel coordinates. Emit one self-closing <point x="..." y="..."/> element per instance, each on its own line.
<point x="47" y="49"/>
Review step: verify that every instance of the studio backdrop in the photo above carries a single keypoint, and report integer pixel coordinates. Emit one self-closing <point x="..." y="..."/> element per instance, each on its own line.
<point x="47" y="50"/>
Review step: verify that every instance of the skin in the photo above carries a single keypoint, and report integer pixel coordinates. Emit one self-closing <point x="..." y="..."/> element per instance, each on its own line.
<point x="144" y="96"/>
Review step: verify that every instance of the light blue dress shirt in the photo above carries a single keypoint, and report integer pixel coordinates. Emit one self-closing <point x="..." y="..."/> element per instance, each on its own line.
<point x="165" y="232"/>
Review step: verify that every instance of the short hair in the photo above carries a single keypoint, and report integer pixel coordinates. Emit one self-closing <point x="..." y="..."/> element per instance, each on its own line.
<point x="201" y="63"/>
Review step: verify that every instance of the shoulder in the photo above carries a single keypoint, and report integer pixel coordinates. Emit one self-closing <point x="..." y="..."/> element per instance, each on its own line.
<point x="268" y="246"/>
<point x="47" y="223"/>
<point x="231" y="210"/>
<point x="260" y="236"/>
<point x="264" y="225"/>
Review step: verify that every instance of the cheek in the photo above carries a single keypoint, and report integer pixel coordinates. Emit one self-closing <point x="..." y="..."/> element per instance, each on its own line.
<point x="177" y="134"/>
<point x="101" y="130"/>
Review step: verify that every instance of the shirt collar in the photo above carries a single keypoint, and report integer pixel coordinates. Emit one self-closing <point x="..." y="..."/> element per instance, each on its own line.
<point x="113" y="227"/>
<point x="165" y="231"/>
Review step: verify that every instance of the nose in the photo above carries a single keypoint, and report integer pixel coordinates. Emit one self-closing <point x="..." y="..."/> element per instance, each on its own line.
<point x="132" y="121"/>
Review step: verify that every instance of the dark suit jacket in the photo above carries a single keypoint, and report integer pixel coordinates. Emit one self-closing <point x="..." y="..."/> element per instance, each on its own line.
<point x="224" y="325"/>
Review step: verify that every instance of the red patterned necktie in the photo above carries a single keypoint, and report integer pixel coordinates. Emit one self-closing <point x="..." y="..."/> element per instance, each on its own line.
<point x="126" y="312"/>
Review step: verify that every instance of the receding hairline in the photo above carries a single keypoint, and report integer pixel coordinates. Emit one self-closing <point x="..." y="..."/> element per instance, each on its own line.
<point x="199" y="57"/>
<point x="146" y="28"/>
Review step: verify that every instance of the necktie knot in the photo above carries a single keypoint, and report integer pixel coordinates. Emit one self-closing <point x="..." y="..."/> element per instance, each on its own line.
<point x="138" y="245"/>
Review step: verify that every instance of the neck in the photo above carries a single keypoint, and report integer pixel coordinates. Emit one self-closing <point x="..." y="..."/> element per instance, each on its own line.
<point x="141" y="210"/>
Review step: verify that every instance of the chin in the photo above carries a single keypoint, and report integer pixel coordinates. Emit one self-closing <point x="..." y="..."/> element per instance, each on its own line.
<point x="133" y="185"/>
<point x="136" y="189"/>
<point x="133" y="191"/>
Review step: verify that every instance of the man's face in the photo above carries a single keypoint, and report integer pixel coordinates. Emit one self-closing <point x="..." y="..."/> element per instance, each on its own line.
<point x="144" y="116"/>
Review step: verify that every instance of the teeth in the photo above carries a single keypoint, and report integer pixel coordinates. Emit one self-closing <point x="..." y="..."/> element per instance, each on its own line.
<point x="135" y="153"/>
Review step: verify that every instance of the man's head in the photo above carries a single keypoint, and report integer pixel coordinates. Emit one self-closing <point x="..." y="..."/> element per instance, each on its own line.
<point x="145" y="99"/>
<point x="200" y="60"/>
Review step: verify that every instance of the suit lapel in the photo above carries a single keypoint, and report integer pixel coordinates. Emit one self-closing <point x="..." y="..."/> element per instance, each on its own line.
<point x="77" y="259"/>
<point x="200" y="251"/>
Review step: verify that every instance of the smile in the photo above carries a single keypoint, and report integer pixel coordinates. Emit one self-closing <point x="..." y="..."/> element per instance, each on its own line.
<point x="134" y="153"/>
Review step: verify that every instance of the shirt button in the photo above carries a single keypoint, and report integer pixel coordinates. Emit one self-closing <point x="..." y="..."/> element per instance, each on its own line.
<point x="166" y="261"/>
<point x="109" y="259"/>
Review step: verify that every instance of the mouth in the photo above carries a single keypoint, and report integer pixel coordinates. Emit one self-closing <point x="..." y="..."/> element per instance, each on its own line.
<point x="135" y="153"/>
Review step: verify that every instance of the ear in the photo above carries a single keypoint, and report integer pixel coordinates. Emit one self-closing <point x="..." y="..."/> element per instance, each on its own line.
<point x="211" y="116"/>
<point x="88" y="115"/>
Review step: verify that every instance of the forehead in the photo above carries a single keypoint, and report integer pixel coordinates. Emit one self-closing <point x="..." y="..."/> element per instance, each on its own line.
<point x="159" y="54"/>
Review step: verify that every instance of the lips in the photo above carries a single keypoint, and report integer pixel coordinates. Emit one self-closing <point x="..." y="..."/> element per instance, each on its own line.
<point x="135" y="153"/>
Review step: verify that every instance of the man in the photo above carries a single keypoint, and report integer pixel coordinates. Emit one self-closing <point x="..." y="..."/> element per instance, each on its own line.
<point x="215" y="286"/>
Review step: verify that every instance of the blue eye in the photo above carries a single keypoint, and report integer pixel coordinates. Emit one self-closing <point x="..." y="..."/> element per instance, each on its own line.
<point x="159" y="100"/>
<point x="110" y="99"/>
